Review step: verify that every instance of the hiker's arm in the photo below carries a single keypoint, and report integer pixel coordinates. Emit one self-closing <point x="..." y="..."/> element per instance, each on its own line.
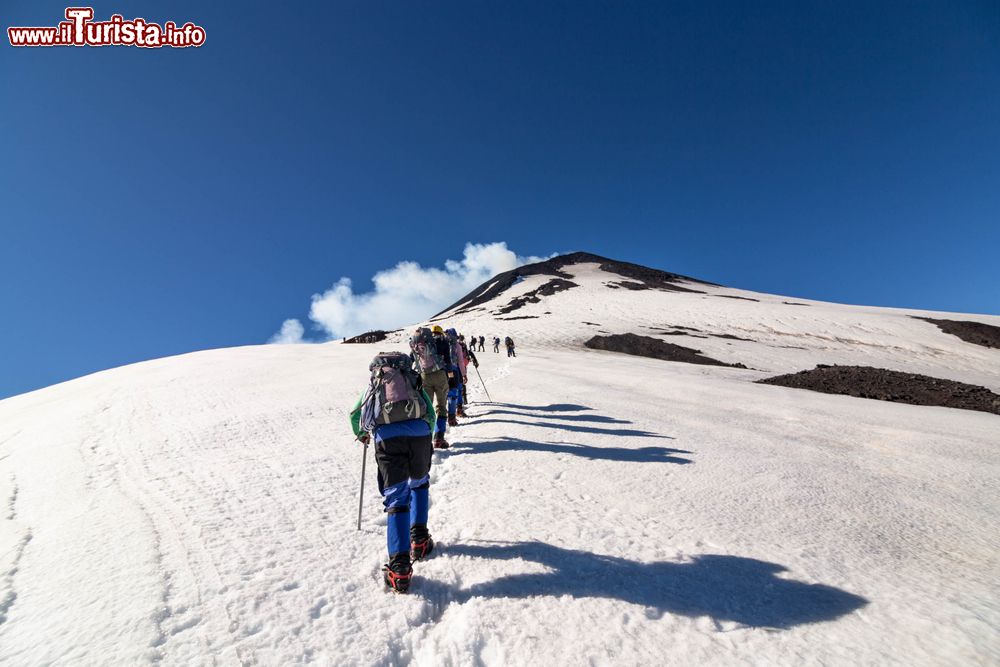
<point x="429" y="417"/>
<point x="356" y="417"/>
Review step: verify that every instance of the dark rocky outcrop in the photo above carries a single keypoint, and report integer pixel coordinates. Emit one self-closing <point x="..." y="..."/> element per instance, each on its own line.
<point x="534" y="296"/>
<point x="895" y="386"/>
<point x="732" y="296"/>
<point x="976" y="333"/>
<point x="646" y="346"/>
<point x="629" y="285"/>
<point x="370" y="337"/>
<point x="732" y="337"/>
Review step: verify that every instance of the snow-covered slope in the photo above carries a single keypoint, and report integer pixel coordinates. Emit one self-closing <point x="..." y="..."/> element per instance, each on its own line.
<point x="763" y="331"/>
<point x="606" y="509"/>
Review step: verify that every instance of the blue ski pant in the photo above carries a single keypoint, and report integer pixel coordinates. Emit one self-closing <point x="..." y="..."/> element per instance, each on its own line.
<point x="455" y="399"/>
<point x="404" y="464"/>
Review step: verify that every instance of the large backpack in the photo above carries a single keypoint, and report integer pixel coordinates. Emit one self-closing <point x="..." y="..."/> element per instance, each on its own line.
<point x="508" y="341"/>
<point x="393" y="394"/>
<point x="455" y="349"/>
<point x="425" y="351"/>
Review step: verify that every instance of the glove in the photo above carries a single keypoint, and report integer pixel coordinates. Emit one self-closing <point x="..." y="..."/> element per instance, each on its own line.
<point x="364" y="438"/>
<point x="476" y="364"/>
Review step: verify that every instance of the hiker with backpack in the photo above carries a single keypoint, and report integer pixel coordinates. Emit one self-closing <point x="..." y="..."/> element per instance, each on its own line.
<point x="395" y="412"/>
<point x="509" y="342"/>
<point x="482" y="343"/>
<point x="458" y="363"/>
<point x="496" y="344"/>
<point x="432" y="357"/>
<point x="470" y="357"/>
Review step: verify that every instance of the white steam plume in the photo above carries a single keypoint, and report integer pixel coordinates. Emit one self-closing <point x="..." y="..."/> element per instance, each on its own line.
<point x="291" y="332"/>
<point x="403" y="294"/>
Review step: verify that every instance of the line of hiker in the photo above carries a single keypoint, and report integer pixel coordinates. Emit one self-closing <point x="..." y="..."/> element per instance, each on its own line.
<point x="410" y="402"/>
<point x="481" y="341"/>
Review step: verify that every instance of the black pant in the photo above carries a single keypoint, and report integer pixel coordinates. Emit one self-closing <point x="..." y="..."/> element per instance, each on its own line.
<point x="401" y="459"/>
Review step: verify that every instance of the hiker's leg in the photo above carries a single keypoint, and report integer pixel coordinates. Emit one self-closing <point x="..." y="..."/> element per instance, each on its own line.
<point x="392" y="457"/>
<point x="419" y="482"/>
<point x="436" y="384"/>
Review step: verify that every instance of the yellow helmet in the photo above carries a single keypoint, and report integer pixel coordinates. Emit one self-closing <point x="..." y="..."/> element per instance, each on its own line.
<point x="437" y="329"/>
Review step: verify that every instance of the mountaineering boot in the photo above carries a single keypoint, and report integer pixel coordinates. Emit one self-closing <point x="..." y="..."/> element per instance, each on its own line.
<point x="461" y="412"/>
<point x="421" y="544"/>
<point x="452" y="420"/>
<point x="397" y="573"/>
<point x="440" y="442"/>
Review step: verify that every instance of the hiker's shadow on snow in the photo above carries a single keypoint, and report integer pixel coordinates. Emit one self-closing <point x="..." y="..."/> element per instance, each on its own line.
<point x="558" y="421"/>
<point x="725" y="588"/>
<point x="577" y="428"/>
<point x="629" y="454"/>
<point x="555" y="407"/>
<point x="597" y="419"/>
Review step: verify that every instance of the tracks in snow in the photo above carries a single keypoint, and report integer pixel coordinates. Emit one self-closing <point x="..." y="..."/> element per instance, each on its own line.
<point x="15" y="540"/>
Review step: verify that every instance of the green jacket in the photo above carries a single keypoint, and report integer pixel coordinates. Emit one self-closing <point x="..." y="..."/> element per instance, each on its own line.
<point x="356" y="413"/>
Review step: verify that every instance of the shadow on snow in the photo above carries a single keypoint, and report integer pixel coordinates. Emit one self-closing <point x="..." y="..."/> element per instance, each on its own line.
<point x="634" y="454"/>
<point x="555" y="407"/>
<point x="599" y="419"/>
<point x="577" y="428"/>
<point x="724" y="588"/>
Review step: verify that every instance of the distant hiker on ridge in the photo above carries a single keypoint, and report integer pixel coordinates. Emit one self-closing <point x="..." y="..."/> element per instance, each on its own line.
<point x="396" y="412"/>
<point x="509" y="342"/>
<point x="432" y="357"/>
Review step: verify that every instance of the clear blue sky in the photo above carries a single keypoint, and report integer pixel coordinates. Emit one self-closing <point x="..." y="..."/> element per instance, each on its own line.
<point x="161" y="201"/>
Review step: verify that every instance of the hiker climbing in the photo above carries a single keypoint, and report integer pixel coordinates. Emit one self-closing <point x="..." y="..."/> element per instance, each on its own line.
<point x="482" y="343"/>
<point x="496" y="344"/>
<point x="395" y="413"/>
<point x="470" y="357"/>
<point x="455" y="378"/>
<point x="509" y="343"/>
<point x="432" y="359"/>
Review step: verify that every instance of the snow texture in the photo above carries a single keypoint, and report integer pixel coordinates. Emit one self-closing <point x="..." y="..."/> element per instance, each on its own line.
<point x="605" y="510"/>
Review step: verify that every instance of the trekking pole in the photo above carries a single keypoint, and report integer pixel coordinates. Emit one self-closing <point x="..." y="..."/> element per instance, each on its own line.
<point x="361" y="496"/>
<point x="483" y="383"/>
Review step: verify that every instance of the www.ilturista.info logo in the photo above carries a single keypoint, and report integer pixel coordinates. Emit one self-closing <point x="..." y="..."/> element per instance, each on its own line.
<point x="81" y="30"/>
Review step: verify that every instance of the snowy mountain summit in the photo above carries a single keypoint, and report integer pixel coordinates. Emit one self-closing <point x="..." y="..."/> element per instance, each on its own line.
<point x="671" y="472"/>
